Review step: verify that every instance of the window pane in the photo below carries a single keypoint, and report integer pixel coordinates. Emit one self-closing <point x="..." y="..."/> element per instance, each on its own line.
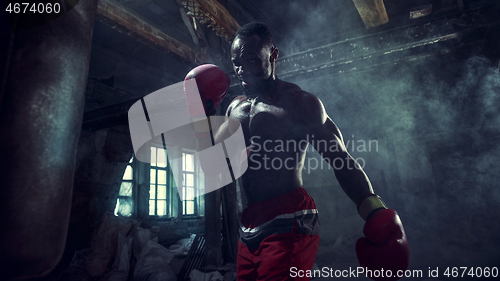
<point x="162" y="192"/>
<point x="188" y="162"/>
<point x="162" y="177"/>
<point x="162" y="158"/>
<point x="152" y="191"/>
<point x="151" y="207"/>
<point x="189" y="180"/>
<point x="153" y="176"/>
<point x="189" y="207"/>
<point x="189" y="193"/>
<point x="153" y="156"/>
<point x="117" y="206"/>
<point x="162" y="207"/>
<point x="125" y="207"/>
<point x="128" y="173"/>
<point x="125" y="189"/>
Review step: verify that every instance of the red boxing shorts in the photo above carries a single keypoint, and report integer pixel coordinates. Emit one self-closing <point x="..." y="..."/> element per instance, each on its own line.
<point x="277" y="235"/>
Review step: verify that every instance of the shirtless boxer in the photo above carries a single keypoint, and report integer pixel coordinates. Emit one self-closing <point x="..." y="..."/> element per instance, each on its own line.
<point x="280" y="227"/>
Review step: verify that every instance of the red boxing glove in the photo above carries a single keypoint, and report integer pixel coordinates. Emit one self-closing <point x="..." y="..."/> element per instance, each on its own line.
<point x="211" y="86"/>
<point x="384" y="247"/>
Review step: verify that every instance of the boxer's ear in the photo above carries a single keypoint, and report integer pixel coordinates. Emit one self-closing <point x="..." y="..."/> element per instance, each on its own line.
<point x="274" y="54"/>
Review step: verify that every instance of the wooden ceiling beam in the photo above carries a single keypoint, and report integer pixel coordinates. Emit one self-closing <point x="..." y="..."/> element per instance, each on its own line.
<point x="372" y="12"/>
<point x="221" y="16"/>
<point x="189" y="25"/>
<point x="214" y="14"/>
<point x="128" y="22"/>
<point x="136" y="3"/>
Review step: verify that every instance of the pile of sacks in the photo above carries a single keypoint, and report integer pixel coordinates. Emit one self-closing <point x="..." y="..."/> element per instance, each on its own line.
<point x="121" y="251"/>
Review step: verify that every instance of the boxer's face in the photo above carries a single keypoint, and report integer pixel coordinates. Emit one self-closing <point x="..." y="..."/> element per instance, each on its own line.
<point x="252" y="61"/>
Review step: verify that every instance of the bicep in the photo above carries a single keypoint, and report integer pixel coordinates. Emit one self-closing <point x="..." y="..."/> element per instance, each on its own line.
<point x="319" y="124"/>
<point x="230" y="124"/>
<point x="223" y="131"/>
<point x="328" y="138"/>
<point x="348" y="172"/>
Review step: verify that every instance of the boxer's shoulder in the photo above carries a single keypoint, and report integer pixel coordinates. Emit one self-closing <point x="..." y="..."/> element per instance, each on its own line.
<point x="235" y="102"/>
<point x="295" y="94"/>
<point x="298" y="100"/>
<point x="284" y="86"/>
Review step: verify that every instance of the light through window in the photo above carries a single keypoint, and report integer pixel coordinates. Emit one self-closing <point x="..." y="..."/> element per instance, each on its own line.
<point x="188" y="184"/>
<point x="159" y="183"/>
<point x="124" y="202"/>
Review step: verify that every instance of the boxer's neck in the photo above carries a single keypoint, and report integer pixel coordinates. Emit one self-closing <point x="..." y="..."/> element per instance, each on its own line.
<point x="267" y="89"/>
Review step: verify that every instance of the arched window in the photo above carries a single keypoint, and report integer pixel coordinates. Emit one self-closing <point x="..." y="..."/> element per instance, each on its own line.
<point x="124" y="202"/>
<point x="163" y="199"/>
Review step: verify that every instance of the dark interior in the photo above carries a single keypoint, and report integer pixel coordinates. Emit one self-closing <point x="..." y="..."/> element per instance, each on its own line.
<point x="417" y="100"/>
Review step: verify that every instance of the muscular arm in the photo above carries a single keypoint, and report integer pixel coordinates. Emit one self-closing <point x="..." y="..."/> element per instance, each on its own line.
<point x="385" y="245"/>
<point x="222" y="128"/>
<point x="349" y="173"/>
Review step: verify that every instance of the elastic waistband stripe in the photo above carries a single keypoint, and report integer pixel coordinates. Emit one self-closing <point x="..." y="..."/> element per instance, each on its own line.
<point x="283" y="216"/>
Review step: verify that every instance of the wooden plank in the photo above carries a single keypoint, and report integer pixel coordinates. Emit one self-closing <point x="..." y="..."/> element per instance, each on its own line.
<point x="127" y="22"/>
<point x="195" y="258"/>
<point x="221" y="16"/>
<point x="135" y="3"/>
<point x="372" y="12"/>
<point x="420" y="11"/>
<point x="189" y="25"/>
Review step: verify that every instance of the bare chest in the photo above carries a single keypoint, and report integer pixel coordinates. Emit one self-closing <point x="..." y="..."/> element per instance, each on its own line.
<point x="264" y="120"/>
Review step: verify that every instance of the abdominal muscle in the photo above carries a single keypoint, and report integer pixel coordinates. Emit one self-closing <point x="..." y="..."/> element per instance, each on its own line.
<point x="271" y="174"/>
<point x="274" y="168"/>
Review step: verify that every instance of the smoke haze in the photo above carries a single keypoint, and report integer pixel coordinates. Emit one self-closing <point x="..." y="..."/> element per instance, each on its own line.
<point x="437" y="123"/>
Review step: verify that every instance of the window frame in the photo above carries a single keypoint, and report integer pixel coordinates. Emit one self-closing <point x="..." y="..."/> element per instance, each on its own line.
<point x="175" y="208"/>
<point x="169" y="200"/>
<point x="195" y="187"/>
